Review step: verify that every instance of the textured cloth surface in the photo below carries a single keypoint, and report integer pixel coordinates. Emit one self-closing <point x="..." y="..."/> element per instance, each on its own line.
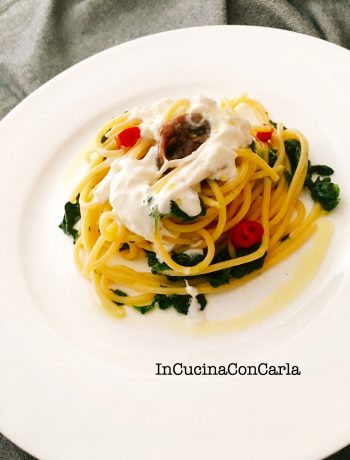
<point x="40" y="38"/>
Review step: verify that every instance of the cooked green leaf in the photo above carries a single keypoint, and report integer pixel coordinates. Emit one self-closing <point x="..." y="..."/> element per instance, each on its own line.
<point x="154" y="264"/>
<point x="217" y="278"/>
<point x="223" y="276"/>
<point x="293" y="150"/>
<point x="322" y="190"/>
<point x="202" y="301"/>
<point x="272" y="157"/>
<point x="187" y="260"/>
<point x="244" y="269"/>
<point x="145" y="308"/>
<point x="124" y="247"/>
<point x="274" y="124"/>
<point x="105" y="136"/>
<point x="70" y="218"/>
<point x="181" y="303"/>
<point x="121" y="294"/>
<point x="321" y="170"/>
<point x="325" y="192"/>
<point x="252" y="146"/>
<point x="176" y="211"/>
<point x="288" y="176"/>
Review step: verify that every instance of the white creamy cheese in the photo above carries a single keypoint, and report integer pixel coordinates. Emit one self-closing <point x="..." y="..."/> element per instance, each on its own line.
<point x="152" y="117"/>
<point x="194" y="314"/>
<point x="132" y="185"/>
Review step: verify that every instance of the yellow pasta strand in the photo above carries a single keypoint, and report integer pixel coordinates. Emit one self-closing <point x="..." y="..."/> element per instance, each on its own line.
<point x="258" y="192"/>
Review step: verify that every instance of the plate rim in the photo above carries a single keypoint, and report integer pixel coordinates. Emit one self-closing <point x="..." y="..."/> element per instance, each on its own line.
<point x="167" y="32"/>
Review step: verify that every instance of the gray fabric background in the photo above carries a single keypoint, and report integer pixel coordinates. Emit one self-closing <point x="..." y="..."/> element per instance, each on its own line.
<point x="40" y="38"/>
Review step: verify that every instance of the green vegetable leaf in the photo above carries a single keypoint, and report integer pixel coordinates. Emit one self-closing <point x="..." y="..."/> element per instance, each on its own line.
<point x="145" y="308"/>
<point x="274" y="124"/>
<point x="120" y="293"/>
<point x="124" y="247"/>
<point x="222" y="256"/>
<point x="322" y="170"/>
<point x="252" y="146"/>
<point x="245" y="269"/>
<point x="288" y="176"/>
<point x="272" y="157"/>
<point x="216" y="279"/>
<point x="325" y="192"/>
<point x="187" y="260"/>
<point x="202" y="301"/>
<point x="293" y="150"/>
<point x="223" y="276"/>
<point x="105" y="136"/>
<point x="176" y="211"/>
<point x="154" y="264"/>
<point x="70" y="218"/>
<point x="181" y="303"/>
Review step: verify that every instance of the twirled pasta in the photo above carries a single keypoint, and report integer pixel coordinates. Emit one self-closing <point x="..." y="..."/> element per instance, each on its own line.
<point x="258" y="192"/>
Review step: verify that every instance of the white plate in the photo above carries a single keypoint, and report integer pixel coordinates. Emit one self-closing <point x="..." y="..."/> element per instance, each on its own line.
<point x="77" y="384"/>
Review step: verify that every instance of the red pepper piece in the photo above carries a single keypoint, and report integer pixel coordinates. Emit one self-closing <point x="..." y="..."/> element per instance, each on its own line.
<point x="246" y="233"/>
<point x="264" y="136"/>
<point x="128" y="137"/>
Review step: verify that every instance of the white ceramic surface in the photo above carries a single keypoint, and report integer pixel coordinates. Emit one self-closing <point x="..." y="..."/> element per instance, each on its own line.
<point x="78" y="384"/>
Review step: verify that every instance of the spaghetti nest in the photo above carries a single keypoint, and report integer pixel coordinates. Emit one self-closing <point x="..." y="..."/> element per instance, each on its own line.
<point x="266" y="189"/>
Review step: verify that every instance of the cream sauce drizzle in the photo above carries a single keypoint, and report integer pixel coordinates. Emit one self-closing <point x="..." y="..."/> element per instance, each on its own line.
<point x="132" y="185"/>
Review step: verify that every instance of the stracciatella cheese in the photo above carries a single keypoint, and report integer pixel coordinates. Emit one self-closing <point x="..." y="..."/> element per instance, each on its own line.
<point x="133" y="186"/>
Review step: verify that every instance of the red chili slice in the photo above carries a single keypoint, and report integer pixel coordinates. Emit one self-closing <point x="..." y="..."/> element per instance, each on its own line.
<point x="246" y="233"/>
<point x="128" y="137"/>
<point x="264" y="136"/>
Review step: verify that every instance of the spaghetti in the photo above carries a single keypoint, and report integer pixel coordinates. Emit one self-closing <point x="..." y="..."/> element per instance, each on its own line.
<point x="186" y="206"/>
